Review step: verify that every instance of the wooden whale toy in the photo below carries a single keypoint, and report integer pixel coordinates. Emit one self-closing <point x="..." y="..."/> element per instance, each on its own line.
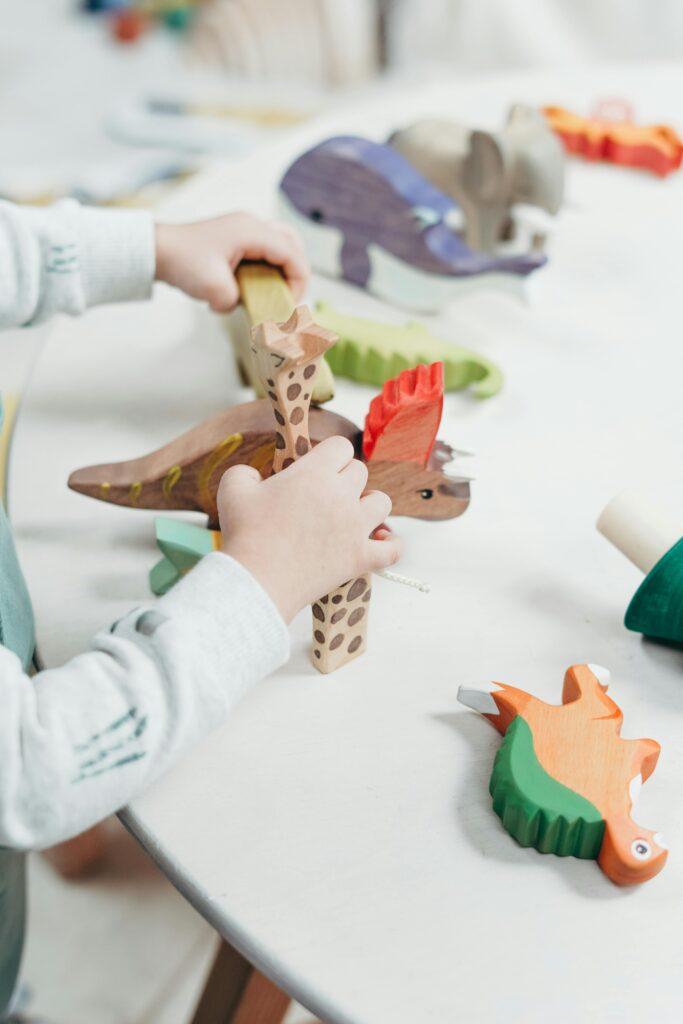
<point x="564" y="780"/>
<point x="368" y="216"/>
<point x="653" y="147"/>
<point x="398" y="444"/>
<point x="655" y="545"/>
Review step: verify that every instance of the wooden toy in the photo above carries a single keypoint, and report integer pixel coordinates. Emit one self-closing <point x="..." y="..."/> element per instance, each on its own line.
<point x="372" y="352"/>
<point x="288" y="357"/>
<point x="564" y="780"/>
<point x="655" y="545"/>
<point x="266" y="296"/>
<point x="487" y="172"/>
<point x="367" y="215"/>
<point x="185" y="474"/>
<point x="655" y="147"/>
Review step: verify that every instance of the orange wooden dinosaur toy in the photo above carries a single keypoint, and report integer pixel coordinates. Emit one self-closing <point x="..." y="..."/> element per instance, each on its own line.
<point x="564" y="780"/>
<point x="652" y="147"/>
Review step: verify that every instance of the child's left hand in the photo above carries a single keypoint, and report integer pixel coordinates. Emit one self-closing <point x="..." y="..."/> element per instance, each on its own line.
<point x="201" y="258"/>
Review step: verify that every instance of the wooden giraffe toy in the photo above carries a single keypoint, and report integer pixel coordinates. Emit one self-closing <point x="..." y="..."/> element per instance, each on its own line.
<point x="287" y="356"/>
<point x="564" y="780"/>
<point x="398" y="444"/>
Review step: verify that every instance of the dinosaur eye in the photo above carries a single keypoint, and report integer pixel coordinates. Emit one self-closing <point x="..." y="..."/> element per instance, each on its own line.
<point x="641" y="849"/>
<point x="317" y="216"/>
<point x="427" y="493"/>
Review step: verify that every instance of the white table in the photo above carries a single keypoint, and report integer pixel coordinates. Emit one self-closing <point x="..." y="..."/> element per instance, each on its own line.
<point x="338" y="830"/>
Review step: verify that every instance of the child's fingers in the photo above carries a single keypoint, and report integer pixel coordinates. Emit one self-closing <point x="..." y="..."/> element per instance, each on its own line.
<point x="375" y="507"/>
<point x="273" y="246"/>
<point x="237" y="478"/>
<point x="291" y="233"/>
<point x="383" y="553"/>
<point x="334" y="454"/>
<point x="355" y="476"/>
<point x="221" y="290"/>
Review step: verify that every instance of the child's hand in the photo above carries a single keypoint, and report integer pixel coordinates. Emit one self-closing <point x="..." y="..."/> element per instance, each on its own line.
<point x="306" y="530"/>
<point x="201" y="258"/>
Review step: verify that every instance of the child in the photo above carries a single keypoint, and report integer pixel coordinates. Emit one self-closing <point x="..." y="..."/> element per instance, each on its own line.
<point x="78" y="742"/>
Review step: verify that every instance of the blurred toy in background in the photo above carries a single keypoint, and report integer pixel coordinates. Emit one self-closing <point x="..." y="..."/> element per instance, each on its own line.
<point x="130" y="19"/>
<point x="372" y="351"/>
<point x="321" y="42"/>
<point x="368" y="216"/>
<point x="655" y="545"/>
<point x="487" y="173"/>
<point x="612" y="135"/>
<point x="564" y="781"/>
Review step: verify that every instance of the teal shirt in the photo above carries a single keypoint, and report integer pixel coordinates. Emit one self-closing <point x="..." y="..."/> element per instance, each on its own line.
<point x="16" y="633"/>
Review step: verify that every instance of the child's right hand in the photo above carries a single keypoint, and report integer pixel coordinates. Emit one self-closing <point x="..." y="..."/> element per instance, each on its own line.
<point x="306" y="530"/>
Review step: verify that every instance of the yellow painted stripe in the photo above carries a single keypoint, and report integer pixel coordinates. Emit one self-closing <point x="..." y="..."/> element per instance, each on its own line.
<point x="135" y="491"/>
<point x="221" y="453"/>
<point x="172" y="477"/>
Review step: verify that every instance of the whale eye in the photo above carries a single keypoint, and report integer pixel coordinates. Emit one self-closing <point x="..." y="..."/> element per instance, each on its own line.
<point x="427" y="493"/>
<point x="317" y="215"/>
<point x="641" y="849"/>
<point x="425" y="216"/>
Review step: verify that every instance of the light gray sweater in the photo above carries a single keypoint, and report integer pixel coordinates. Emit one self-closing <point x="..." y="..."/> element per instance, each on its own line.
<point x="79" y="741"/>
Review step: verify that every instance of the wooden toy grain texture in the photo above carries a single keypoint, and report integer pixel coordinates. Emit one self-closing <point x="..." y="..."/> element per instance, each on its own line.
<point x="373" y="352"/>
<point x="266" y="295"/>
<point x="184" y="475"/>
<point x="486" y="173"/>
<point x="564" y="780"/>
<point x="655" y="147"/>
<point x="288" y="356"/>
<point x="656" y="608"/>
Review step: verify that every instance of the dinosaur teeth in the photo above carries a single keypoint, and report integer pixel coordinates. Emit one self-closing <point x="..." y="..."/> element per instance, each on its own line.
<point x="480" y="699"/>
<point x="659" y="839"/>
<point x="634" y="787"/>
<point x="602" y="674"/>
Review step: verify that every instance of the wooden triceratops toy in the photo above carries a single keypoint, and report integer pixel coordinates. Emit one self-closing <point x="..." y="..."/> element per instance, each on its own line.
<point x="564" y="780"/>
<point x="398" y="444"/>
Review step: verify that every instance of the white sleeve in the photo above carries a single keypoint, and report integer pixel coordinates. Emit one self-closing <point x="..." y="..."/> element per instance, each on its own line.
<point x="78" y="742"/>
<point x="65" y="258"/>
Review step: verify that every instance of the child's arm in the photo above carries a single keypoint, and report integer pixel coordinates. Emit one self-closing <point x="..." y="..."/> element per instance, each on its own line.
<point x="79" y="742"/>
<point x="66" y="258"/>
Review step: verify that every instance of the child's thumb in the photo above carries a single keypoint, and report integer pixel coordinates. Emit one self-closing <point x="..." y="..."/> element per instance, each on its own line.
<point x="238" y="478"/>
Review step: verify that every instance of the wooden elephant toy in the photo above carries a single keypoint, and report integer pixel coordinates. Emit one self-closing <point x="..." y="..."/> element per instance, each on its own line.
<point x="487" y="173"/>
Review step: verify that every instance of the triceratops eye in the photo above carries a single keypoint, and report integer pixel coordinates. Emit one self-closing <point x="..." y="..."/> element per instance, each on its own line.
<point x="427" y="493"/>
<point x="641" y="849"/>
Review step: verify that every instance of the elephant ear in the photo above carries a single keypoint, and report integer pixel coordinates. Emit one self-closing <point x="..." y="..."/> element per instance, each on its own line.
<point x="402" y="422"/>
<point x="484" y="168"/>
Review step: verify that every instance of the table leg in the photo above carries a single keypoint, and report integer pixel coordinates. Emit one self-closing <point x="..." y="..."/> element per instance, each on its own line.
<point x="236" y="993"/>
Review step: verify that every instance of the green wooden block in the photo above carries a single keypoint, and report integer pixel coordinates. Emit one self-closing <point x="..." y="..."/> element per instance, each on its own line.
<point x="373" y="352"/>
<point x="182" y="544"/>
<point x="656" y="608"/>
<point x="537" y="810"/>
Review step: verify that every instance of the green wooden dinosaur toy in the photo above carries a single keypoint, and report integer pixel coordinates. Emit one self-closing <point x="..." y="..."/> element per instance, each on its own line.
<point x="372" y="352"/>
